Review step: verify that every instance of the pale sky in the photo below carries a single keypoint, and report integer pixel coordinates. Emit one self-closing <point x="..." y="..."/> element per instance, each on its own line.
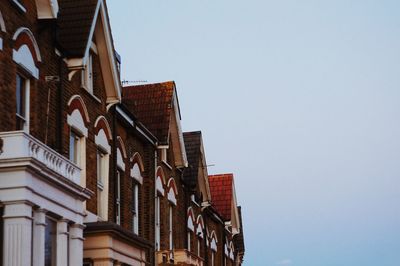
<point x="300" y="100"/>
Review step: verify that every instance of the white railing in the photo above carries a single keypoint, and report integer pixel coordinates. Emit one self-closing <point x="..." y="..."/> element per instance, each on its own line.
<point x="18" y="145"/>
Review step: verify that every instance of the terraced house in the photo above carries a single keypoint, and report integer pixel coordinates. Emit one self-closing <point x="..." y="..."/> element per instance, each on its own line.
<point x="93" y="173"/>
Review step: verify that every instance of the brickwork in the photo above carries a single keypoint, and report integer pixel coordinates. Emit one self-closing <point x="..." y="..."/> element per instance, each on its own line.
<point x="48" y="123"/>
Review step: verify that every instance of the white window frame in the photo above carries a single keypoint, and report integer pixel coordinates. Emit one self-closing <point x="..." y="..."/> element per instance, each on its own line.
<point x="118" y="196"/>
<point x="102" y="184"/>
<point x="74" y="147"/>
<point x="77" y="126"/>
<point x="158" y="225"/>
<point x="135" y="209"/>
<point x="170" y="227"/>
<point x="23" y="115"/>
<point x="189" y="240"/>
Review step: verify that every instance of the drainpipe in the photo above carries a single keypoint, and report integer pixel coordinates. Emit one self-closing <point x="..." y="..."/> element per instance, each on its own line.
<point x="155" y="206"/>
<point x="205" y="236"/>
<point x="114" y="160"/>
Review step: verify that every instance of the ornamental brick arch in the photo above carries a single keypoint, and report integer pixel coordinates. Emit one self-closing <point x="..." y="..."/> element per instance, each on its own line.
<point x="76" y="103"/>
<point x="26" y="51"/>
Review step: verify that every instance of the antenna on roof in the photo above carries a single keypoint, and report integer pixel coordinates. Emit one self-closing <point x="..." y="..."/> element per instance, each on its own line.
<point x="127" y="82"/>
<point x="208" y="165"/>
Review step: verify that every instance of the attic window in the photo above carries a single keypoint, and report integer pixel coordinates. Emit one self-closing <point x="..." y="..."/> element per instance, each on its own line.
<point x="19" y="5"/>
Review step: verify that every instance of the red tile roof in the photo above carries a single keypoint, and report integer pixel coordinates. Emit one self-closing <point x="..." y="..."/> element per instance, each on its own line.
<point x="221" y="187"/>
<point x="152" y="104"/>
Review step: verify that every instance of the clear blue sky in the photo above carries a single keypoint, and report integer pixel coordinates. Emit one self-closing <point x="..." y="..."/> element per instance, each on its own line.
<point x="301" y="100"/>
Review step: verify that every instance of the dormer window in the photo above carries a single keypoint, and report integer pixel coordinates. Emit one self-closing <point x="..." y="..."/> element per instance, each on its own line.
<point x="87" y="75"/>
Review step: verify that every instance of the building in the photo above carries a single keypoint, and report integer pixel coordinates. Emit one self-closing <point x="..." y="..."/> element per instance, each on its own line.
<point x="91" y="172"/>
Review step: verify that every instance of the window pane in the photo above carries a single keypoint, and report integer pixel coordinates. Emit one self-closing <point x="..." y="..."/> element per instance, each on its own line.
<point x="20" y="102"/>
<point x="50" y="242"/>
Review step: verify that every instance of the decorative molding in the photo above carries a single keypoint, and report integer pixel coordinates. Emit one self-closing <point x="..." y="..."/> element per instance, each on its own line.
<point x="21" y="145"/>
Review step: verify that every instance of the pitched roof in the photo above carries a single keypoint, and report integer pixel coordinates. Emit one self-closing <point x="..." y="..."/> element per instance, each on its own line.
<point x="75" y="20"/>
<point x="221" y="187"/>
<point x="193" y="153"/>
<point x="152" y="104"/>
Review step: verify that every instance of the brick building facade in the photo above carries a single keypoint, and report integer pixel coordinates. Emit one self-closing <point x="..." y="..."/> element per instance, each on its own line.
<point x="91" y="172"/>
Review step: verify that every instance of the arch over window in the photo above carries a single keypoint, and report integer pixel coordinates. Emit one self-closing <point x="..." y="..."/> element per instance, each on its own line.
<point x="213" y="241"/>
<point x="190" y="219"/>
<point x="103" y="133"/>
<point x="121" y="153"/>
<point x="172" y="191"/>
<point x="200" y="226"/>
<point x="26" y="51"/>
<point x="137" y="168"/>
<point x="160" y="180"/>
<point x="78" y="117"/>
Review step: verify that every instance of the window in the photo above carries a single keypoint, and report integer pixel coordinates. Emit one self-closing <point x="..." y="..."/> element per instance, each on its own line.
<point x="135" y="207"/>
<point x="188" y="239"/>
<point x="50" y="240"/>
<point x="87" y="75"/>
<point x="74" y="148"/>
<point x="101" y="178"/>
<point x="212" y="258"/>
<point x="170" y="231"/>
<point x="118" y="199"/>
<point x="22" y="103"/>
<point x="158" y="229"/>
<point x="198" y="246"/>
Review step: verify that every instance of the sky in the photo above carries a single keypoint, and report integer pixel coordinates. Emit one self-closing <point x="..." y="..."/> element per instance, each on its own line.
<point x="300" y="100"/>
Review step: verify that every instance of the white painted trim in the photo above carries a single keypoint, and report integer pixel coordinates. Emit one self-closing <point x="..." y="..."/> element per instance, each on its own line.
<point x="31" y="37"/>
<point x="136" y="173"/>
<point x="18" y="4"/>
<point x="101" y="140"/>
<point x="98" y="120"/>
<point x="75" y="120"/>
<point x="159" y="185"/>
<point x="180" y="134"/>
<point x="24" y="58"/>
<point x="190" y="221"/>
<point x="200" y="226"/>
<point x="47" y="9"/>
<point x="171" y="196"/>
<point x="125" y="116"/>
<point x="120" y="159"/>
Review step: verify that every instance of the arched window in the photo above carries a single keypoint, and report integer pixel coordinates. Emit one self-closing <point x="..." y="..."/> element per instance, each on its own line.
<point x="26" y="55"/>
<point x="78" y="120"/>
<point x="102" y="138"/>
<point x="137" y="180"/>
